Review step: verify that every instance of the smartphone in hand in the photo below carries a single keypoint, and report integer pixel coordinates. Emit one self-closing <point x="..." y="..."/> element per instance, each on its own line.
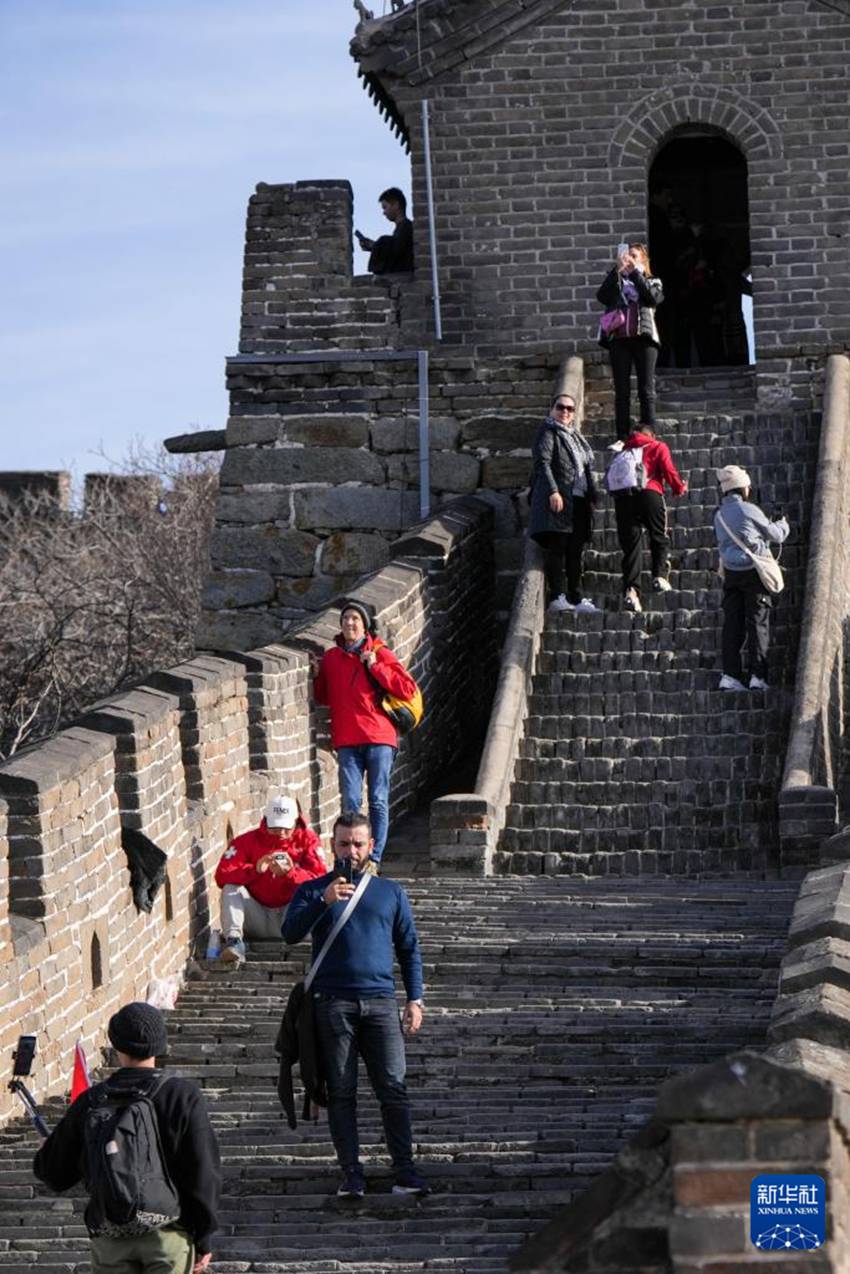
<point x="348" y="870"/>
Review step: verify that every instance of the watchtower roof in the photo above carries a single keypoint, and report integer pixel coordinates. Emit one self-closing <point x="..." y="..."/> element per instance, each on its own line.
<point x="424" y="39"/>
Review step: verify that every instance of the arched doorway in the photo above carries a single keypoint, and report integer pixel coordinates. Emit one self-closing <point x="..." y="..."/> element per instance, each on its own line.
<point x="699" y="243"/>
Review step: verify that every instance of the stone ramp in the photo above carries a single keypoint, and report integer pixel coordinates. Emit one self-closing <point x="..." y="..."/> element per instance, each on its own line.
<point x="556" y="1006"/>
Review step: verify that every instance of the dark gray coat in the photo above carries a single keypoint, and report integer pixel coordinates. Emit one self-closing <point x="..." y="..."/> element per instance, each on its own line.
<point x="555" y="470"/>
<point x="650" y="294"/>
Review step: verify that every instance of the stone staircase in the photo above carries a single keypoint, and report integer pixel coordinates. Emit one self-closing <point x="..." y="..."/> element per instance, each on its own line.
<point x="633" y="760"/>
<point x="554" y="1010"/>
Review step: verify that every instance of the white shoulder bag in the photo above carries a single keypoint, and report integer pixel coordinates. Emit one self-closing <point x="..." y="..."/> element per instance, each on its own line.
<point x="770" y="572"/>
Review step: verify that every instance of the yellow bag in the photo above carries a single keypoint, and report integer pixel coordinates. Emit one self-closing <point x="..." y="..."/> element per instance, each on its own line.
<point x="405" y="714"/>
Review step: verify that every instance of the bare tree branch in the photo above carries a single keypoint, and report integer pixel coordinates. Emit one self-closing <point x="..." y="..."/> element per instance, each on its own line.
<point x="91" y="601"/>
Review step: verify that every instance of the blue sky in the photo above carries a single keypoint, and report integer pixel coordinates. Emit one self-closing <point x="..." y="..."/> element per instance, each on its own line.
<point x="132" y="133"/>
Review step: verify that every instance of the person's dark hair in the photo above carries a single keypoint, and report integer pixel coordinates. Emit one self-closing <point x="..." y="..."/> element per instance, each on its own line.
<point x="741" y="491"/>
<point x="392" y="193"/>
<point x="352" y="819"/>
<point x="565" y="393"/>
<point x="648" y="430"/>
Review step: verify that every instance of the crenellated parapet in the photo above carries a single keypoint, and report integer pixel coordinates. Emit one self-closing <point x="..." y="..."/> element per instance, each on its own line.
<point x="187" y="760"/>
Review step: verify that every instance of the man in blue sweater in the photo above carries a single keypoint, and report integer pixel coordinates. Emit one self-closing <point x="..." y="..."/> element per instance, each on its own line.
<point x="354" y="994"/>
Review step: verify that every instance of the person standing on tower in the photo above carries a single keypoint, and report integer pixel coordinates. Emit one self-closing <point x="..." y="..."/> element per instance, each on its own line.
<point x="629" y="332"/>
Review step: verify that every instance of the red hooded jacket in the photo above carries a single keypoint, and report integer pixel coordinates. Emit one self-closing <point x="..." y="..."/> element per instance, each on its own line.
<point x="350" y="692"/>
<point x="237" y="864"/>
<point x="658" y="464"/>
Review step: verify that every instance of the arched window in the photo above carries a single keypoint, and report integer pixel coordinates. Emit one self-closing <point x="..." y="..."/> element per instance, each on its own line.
<point x="699" y="244"/>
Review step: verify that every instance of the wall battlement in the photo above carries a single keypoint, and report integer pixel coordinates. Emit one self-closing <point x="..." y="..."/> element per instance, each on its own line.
<point x="298" y="290"/>
<point x="188" y="759"/>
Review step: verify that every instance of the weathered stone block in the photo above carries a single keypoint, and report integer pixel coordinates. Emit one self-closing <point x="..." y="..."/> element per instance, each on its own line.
<point x="323" y="430"/>
<point x="451" y="471"/>
<point x="326" y="431"/>
<point x="402" y="433"/>
<point x="287" y="465"/>
<point x="237" y="588"/>
<point x="500" y="473"/>
<point x="497" y="433"/>
<point x="237" y="630"/>
<point x="356" y="507"/>
<point x="353" y="553"/>
<point x="254" y="506"/>
<point x="267" y="548"/>
<point x="311" y="594"/>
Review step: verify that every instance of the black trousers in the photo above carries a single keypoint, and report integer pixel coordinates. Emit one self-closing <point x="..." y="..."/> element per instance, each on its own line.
<point x="636" y="510"/>
<point x="746" y="619"/>
<point x="563" y="554"/>
<point x="637" y="352"/>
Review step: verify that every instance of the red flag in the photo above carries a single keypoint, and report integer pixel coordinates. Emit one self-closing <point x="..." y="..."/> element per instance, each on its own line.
<point x="80" y="1080"/>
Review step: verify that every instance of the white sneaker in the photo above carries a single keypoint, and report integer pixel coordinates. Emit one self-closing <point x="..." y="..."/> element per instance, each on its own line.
<point x="631" y="601"/>
<point x="586" y="605"/>
<point x="559" y="604"/>
<point x="730" y="683"/>
<point x="756" y="683"/>
<point x="617" y="446"/>
<point x="661" y="585"/>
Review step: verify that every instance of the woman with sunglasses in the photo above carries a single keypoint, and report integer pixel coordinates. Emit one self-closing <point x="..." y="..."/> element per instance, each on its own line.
<point x="629" y="332"/>
<point x="563" y="493"/>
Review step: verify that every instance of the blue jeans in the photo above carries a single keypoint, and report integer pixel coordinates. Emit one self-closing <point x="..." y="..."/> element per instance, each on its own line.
<point x="375" y="760"/>
<point x="370" y="1028"/>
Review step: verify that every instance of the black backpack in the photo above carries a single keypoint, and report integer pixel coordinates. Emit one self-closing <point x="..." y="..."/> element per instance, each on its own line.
<point x="131" y="1191"/>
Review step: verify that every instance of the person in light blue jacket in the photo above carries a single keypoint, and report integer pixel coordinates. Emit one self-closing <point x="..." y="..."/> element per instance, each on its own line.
<point x="746" y="602"/>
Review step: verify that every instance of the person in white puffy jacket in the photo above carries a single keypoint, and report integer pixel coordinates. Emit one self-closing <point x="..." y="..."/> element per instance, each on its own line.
<point x="746" y="602"/>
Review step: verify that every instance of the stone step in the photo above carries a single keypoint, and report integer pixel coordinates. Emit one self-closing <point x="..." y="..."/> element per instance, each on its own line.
<point x="554" y="1010"/>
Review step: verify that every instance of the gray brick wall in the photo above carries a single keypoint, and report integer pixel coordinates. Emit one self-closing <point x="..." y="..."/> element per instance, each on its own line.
<point x="542" y="141"/>
<point x="188" y="759"/>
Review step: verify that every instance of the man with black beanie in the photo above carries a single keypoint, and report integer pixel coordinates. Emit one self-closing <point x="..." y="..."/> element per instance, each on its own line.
<point x="189" y="1153"/>
<point x="349" y="680"/>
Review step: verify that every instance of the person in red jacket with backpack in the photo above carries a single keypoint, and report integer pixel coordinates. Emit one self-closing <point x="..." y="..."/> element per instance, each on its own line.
<point x="349" y="681"/>
<point x="259" y="873"/>
<point x="642" y="506"/>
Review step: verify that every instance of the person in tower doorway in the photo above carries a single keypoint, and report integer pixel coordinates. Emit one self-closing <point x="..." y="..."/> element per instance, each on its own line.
<point x="629" y="332"/>
<point x="563" y="494"/>
<point x="355" y="1004"/>
<point x="391" y="253"/>
<point x="349" y="680"/>
<point x="746" y="602"/>
<point x="643" y="508"/>
<point x="259" y="873"/>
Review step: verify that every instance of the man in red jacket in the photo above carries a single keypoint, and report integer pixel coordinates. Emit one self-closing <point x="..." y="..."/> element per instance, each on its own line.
<point x="644" y="507"/>
<point x="349" y="681"/>
<point x="260" y="871"/>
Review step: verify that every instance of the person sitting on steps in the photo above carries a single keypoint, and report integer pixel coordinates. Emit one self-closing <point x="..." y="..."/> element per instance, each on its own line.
<point x="640" y="508"/>
<point x="746" y="602"/>
<point x="259" y="873"/>
<point x="563" y="493"/>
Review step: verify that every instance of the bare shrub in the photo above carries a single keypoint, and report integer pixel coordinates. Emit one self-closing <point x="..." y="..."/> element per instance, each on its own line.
<point x="92" y="600"/>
